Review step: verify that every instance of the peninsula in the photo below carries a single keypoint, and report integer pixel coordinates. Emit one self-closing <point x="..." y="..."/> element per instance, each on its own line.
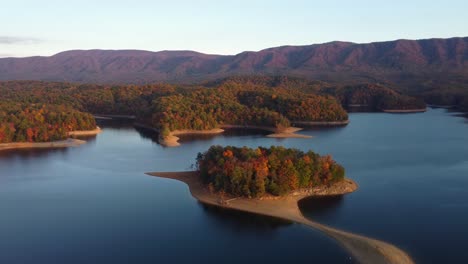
<point x="65" y="143"/>
<point x="366" y="250"/>
<point x="271" y="181"/>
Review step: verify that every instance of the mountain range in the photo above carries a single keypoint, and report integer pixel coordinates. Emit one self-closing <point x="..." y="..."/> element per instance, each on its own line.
<point x="409" y="63"/>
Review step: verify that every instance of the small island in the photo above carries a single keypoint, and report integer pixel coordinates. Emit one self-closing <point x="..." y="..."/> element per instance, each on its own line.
<point x="271" y="181"/>
<point x="263" y="172"/>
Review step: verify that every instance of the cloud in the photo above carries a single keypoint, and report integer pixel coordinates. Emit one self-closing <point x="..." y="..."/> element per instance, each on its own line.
<point x="18" y="40"/>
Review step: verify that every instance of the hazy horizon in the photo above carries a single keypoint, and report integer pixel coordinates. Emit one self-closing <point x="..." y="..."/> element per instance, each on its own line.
<point x="217" y="27"/>
<point x="176" y="50"/>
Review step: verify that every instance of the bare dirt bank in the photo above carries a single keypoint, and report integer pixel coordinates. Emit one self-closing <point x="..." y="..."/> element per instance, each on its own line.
<point x="85" y="132"/>
<point x="364" y="249"/>
<point x="71" y="142"/>
<point x="172" y="140"/>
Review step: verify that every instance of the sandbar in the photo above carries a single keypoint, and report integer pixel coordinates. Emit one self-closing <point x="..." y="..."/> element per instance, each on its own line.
<point x="366" y="250"/>
<point x="71" y="142"/>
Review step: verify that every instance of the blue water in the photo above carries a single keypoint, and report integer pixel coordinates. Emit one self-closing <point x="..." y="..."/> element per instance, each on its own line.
<point x="93" y="203"/>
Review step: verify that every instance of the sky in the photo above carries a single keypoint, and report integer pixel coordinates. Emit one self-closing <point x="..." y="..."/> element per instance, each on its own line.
<point x="46" y="27"/>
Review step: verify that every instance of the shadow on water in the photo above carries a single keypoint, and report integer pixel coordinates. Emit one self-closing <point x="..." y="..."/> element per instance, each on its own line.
<point x="320" y="207"/>
<point x="231" y="132"/>
<point x="244" y="221"/>
<point x="119" y="124"/>
<point x="147" y="134"/>
<point x="31" y="153"/>
<point x="153" y="136"/>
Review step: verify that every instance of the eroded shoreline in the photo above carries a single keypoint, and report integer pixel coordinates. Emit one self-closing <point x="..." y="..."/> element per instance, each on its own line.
<point x="69" y="142"/>
<point x="93" y="132"/>
<point x="364" y="249"/>
<point x="173" y="141"/>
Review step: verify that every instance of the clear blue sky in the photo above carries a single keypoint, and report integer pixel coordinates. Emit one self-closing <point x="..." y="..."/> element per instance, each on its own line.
<point x="32" y="27"/>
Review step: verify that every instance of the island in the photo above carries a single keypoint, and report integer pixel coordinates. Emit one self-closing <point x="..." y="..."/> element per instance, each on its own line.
<point x="259" y="181"/>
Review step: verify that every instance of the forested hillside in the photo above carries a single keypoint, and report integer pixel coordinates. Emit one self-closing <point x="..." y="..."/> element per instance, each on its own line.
<point x="256" y="105"/>
<point x="22" y="122"/>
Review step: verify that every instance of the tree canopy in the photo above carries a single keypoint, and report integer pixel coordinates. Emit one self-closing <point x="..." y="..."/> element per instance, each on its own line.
<point x="255" y="172"/>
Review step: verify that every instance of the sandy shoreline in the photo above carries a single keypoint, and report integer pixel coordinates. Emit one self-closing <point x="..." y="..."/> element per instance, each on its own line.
<point x="364" y="249"/>
<point x="173" y="141"/>
<point x="85" y="132"/>
<point x="71" y="142"/>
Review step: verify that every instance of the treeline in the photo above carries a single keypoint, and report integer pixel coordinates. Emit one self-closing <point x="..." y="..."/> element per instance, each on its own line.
<point x="242" y="105"/>
<point x="457" y="99"/>
<point x="40" y="122"/>
<point x="96" y="99"/>
<point x="374" y="97"/>
<point x="276" y="170"/>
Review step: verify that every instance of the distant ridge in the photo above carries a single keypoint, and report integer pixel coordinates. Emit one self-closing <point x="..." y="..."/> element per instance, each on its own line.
<point x="406" y="62"/>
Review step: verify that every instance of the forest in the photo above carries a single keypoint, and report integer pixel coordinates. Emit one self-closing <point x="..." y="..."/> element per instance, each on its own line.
<point x="40" y="122"/>
<point x="375" y="97"/>
<point x="236" y="105"/>
<point x="274" y="101"/>
<point x="255" y="172"/>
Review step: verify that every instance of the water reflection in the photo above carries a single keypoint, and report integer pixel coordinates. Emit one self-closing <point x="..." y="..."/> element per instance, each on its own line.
<point x="147" y="134"/>
<point x="320" y="206"/>
<point x="32" y="153"/>
<point x="243" y="221"/>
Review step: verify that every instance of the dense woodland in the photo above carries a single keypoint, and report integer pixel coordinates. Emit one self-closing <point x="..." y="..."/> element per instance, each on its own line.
<point x="375" y="97"/>
<point x="276" y="170"/>
<point x="40" y="122"/>
<point x="274" y="107"/>
<point x="246" y="100"/>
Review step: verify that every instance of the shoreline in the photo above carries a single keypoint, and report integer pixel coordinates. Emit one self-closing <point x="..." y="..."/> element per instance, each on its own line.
<point x="113" y="117"/>
<point x="442" y="106"/>
<point x="289" y="132"/>
<point x="172" y="140"/>
<point x="364" y="249"/>
<point x="421" y="110"/>
<point x="70" y="142"/>
<point x="322" y="123"/>
<point x="93" y="132"/>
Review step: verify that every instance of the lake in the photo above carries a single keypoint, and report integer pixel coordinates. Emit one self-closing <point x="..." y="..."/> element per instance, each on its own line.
<point x="94" y="204"/>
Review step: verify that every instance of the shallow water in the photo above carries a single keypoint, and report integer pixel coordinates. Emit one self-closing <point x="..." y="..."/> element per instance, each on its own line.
<point x="93" y="203"/>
